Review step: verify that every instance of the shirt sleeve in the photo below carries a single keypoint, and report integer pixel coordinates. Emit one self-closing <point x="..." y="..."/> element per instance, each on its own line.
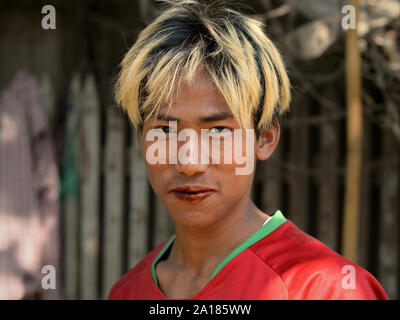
<point x="333" y="278"/>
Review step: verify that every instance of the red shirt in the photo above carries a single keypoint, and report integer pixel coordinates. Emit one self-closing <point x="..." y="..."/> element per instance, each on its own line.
<point x="279" y="261"/>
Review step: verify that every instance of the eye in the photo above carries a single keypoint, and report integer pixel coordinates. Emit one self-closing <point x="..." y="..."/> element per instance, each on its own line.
<point x="220" y="130"/>
<point x="166" y="129"/>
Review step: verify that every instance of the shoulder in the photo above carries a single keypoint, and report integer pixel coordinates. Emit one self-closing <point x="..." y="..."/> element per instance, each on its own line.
<point x="311" y="270"/>
<point x="135" y="274"/>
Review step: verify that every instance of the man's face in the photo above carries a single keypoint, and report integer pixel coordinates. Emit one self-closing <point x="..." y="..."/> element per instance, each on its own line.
<point x="197" y="194"/>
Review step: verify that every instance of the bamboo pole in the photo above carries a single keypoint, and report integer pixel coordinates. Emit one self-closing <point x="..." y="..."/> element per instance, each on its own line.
<point x="354" y="143"/>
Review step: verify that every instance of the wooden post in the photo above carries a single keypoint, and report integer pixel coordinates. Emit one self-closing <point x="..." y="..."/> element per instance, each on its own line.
<point x="353" y="144"/>
<point x="114" y="199"/>
<point x="328" y="182"/>
<point x="388" y="269"/>
<point x="90" y="187"/>
<point x="71" y="207"/>
<point x="138" y="205"/>
<point x="366" y="211"/>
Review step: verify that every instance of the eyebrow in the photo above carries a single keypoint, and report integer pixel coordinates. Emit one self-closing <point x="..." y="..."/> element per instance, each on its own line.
<point x="213" y="117"/>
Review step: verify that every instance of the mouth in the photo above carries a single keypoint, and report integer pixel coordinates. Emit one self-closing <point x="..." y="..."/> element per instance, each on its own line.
<point x="192" y="193"/>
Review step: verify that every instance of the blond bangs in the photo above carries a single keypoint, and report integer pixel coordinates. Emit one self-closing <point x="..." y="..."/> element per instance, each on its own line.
<point x="242" y="62"/>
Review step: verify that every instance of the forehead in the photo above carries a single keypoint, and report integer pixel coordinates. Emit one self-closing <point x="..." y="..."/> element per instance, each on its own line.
<point x="198" y="99"/>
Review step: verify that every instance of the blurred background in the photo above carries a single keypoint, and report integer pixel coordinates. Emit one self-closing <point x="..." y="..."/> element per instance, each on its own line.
<point x="73" y="188"/>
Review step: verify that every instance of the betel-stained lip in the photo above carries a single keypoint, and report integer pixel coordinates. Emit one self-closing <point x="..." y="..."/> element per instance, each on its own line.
<point x="192" y="193"/>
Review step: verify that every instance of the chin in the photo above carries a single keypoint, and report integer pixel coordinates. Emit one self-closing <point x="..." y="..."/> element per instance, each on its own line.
<point x="193" y="219"/>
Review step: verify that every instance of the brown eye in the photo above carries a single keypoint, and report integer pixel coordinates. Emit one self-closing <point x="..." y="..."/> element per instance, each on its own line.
<point x="166" y="129"/>
<point x="220" y="130"/>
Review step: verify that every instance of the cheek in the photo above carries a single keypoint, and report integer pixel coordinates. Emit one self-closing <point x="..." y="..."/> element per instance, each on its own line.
<point x="158" y="176"/>
<point x="238" y="149"/>
<point x="157" y="173"/>
<point x="232" y="184"/>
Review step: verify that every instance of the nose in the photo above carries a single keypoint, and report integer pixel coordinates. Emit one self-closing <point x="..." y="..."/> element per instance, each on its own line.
<point x="189" y="159"/>
<point x="191" y="169"/>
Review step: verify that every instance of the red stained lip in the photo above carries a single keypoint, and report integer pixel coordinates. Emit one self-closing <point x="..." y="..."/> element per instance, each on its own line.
<point x="192" y="193"/>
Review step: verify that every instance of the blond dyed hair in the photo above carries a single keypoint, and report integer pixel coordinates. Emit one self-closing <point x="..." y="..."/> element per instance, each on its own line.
<point x="187" y="36"/>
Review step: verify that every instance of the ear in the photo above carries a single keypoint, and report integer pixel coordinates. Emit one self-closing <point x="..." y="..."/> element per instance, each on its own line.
<point x="267" y="141"/>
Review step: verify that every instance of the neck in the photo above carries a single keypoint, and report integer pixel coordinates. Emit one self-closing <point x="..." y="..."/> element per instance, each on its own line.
<point x="199" y="251"/>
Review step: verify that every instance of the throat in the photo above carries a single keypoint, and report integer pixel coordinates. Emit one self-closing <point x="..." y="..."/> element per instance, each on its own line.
<point x="175" y="283"/>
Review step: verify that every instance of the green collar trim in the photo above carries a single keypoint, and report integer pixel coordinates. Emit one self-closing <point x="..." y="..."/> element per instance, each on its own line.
<point x="276" y="220"/>
<point x="159" y="255"/>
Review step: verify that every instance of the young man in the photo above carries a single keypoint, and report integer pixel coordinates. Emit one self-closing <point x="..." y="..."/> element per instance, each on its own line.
<point x="209" y="69"/>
